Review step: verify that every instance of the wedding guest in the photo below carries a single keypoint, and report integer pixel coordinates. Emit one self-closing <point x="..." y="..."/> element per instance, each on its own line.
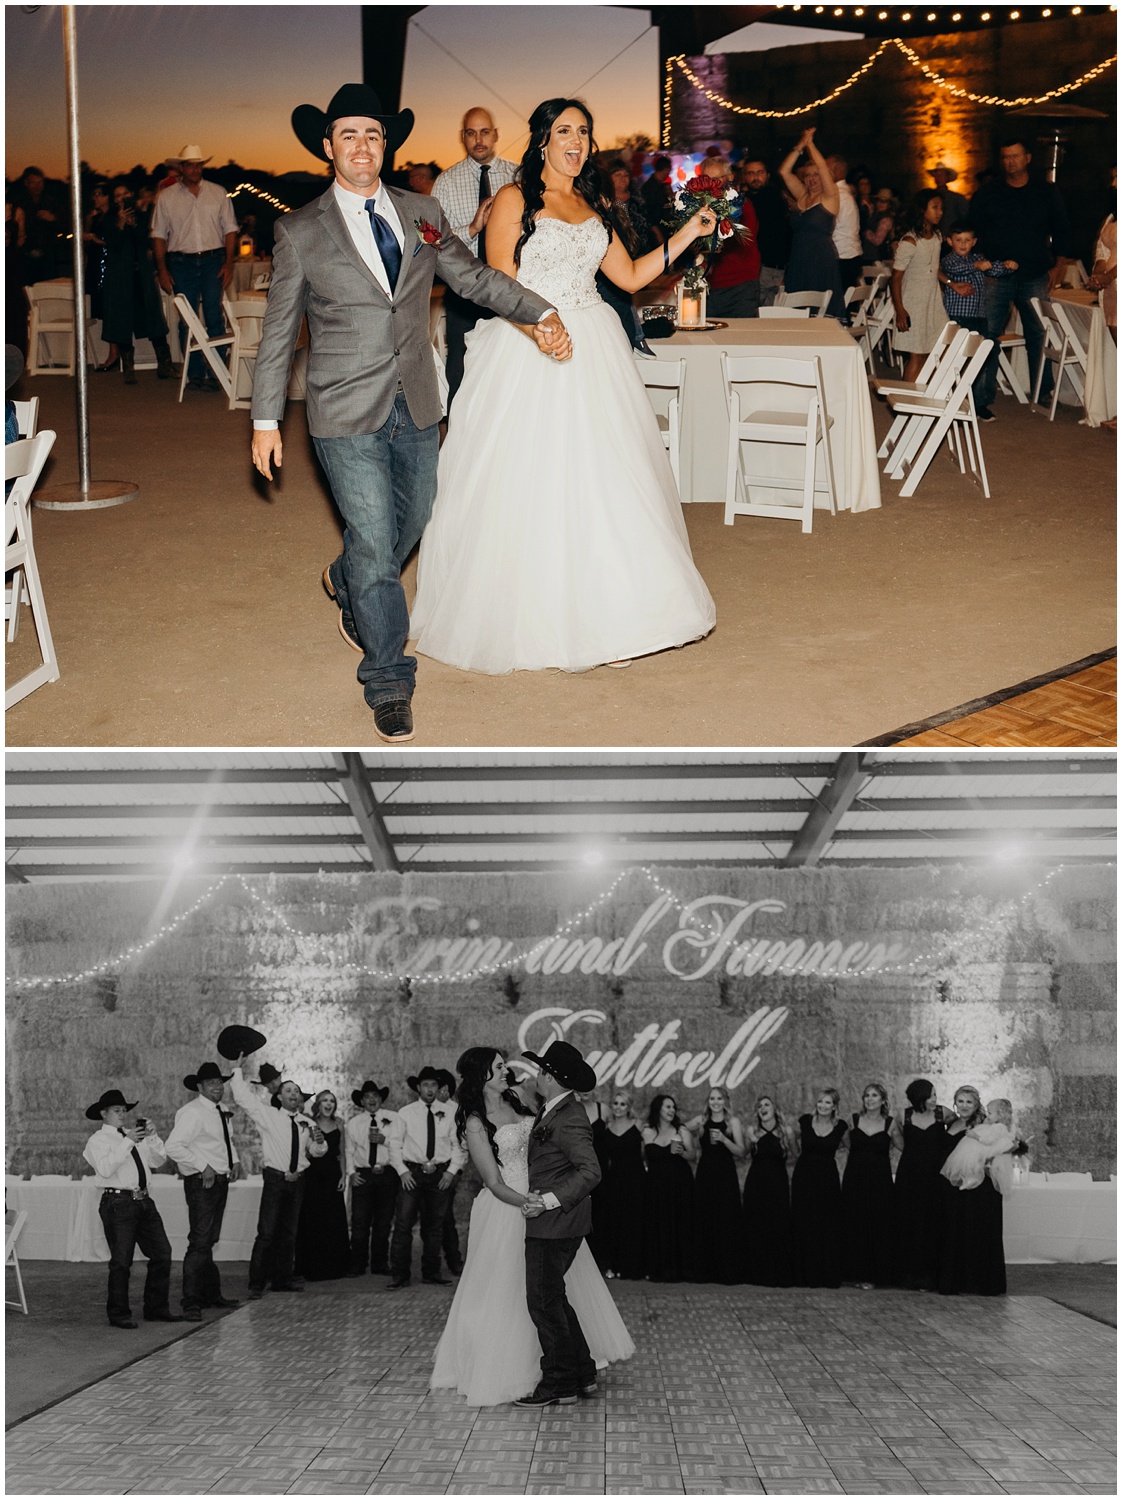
<point x="123" y="1156"/>
<point x="599" y="1122"/>
<point x="322" y="1243"/>
<point x="955" y="206"/>
<point x="964" y="291"/>
<point x="867" y="1202"/>
<point x="427" y="1157"/>
<point x="201" y="1146"/>
<point x="621" y="1223"/>
<point x="767" y="1197"/>
<point x="877" y="239"/>
<point x="15" y="274"/>
<point x="93" y="237"/>
<point x="773" y="222"/>
<point x="46" y="225"/>
<point x="917" y="1188"/>
<point x="847" y="227"/>
<point x="658" y="195"/>
<point x="466" y="192"/>
<point x="718" y="1236"/>
<point x="450" y="1246"/>
<point x="629" y="219"/>
<point x="915" y="282"/>
<point x="971" y="1248"/>
<point x="812" y="265"/>
<point x="289" y="1141"/>
<point x="422" y="176"/>
<point x="817" y="1223"/>
<point x="131" y="301"/>
<point x="734" y="268"/>
<point x="374" y="1183"/>
<point x="668" y="1148"/>
<point x="1104" y="272"/>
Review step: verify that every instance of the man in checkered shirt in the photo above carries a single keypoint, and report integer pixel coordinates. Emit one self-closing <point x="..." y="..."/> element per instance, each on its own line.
<point x="465" y="192"/>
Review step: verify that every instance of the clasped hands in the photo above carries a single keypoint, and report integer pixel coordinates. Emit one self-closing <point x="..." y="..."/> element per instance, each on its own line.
<point x="552" y="338"/>
<point x="533" y="1206"/>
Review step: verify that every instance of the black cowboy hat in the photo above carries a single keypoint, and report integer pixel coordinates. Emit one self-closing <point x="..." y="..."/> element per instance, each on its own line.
<point x="266" y="1073"/>
<point x="425" y="1073"/>
<point x="107" y="1101"/>
<point x="369" y="1087"/>
<point x="566" y="1064"/>
<point x="311" y="124"/>
<point x="208" y="1070"/>
<point x="446" y="1080"/>
<point x="234" y="1040"/>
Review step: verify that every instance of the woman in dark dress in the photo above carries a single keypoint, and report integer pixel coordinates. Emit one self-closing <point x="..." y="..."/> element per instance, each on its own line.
<point x="322" y="1242"/>
<point x="130" y="298"/>
<point x="917" y="1190"/>
<point x="668" y="1149"/>
<point x="767" y="1198"/>
<point x="623" y="1188"/>
<point x="816" y="1201"/>
<point x="718" y="1239"/>
<point x="971" y="1248"/>
<point x="93" y="236"/>
<point x="867" y="1201"/>
<point x="812" y="265"/>
<point x="596" y="1118"/>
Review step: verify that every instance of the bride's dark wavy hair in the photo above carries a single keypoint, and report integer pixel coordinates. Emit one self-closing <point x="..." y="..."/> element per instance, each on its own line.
<point x="530" y="180"/>
<point x="474" y="1068"/>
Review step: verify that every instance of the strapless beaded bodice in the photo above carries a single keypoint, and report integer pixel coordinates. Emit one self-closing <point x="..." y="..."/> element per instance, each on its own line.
<point x="513" y="1142"/>
<point x="560" y="261"/>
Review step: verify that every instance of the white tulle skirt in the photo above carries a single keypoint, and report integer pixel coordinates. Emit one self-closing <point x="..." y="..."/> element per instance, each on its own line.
<point x="557" y="537"/>
<point x="489" y="1349"/>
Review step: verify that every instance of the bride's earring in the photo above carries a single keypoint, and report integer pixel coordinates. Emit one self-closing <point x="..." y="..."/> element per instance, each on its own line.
<point x="543" y="153"/>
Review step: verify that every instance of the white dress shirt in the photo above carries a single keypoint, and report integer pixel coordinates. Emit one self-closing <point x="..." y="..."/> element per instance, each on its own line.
<point x="109" y="1153"/>
<point x="353" y="208"/>
<point x="275" y="1127"/>
<point x="192" y="223"/>
<point x="457" y="192"/>
<point x="847" y="227"/>
<point x="408" y="1141"/>
<point x="196" y="1140"/>
<point x="356" y="1139"/>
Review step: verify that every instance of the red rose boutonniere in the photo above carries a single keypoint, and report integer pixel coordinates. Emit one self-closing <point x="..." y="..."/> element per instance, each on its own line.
<point x="427" y="234"/>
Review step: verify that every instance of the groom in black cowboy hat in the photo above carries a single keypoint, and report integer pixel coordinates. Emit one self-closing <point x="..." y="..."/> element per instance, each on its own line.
<point x="358" y="265"/>
<point x="563" y="1172"/>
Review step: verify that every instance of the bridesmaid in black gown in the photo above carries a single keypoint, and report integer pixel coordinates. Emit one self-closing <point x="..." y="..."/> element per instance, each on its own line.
<point x="718" y="1239"/>
<point x="767" y="1198"/>
<point x="867" y="1201"/>
<point x="623" y="1190"/>
<point x="971" y="1246"/>
<point x="322" y="1241"/>
<point x="917" y="1190"/>
<point x="816" y="1202"/>
<point x="668" y="1197"/>
<point x="595" y="1112"/>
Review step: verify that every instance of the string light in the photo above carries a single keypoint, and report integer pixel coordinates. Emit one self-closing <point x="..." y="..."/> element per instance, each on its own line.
<point x="248" y="187"/>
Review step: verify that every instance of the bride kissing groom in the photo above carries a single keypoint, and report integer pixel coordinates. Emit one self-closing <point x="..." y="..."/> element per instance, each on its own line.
<point x="531" y="1308"/>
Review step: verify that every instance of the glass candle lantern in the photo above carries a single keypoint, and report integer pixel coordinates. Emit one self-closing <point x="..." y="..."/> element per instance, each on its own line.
<point x="691" y="304"/>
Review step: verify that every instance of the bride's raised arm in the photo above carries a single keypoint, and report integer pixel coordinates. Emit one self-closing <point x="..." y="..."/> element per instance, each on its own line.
<point x="479" y="1149"/>
<point x="633" y="275"/>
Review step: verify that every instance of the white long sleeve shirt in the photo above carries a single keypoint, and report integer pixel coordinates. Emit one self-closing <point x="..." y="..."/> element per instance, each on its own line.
<point x="356" y="1139"/>
<point x="407" y="1144"/>
<point x="196" y="1140"/>
<point x="847" y="227"/>
<point x="109" y="1153"/>
<point x="275" y="1128"/>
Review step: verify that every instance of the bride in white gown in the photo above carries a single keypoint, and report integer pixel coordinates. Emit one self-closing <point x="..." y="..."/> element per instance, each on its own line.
<point x="557" y="537"/>
<point x="489" y="1350"/>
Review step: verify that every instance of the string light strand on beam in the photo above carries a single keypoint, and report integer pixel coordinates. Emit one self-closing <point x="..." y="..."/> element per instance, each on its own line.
<point x="248" y="187"/>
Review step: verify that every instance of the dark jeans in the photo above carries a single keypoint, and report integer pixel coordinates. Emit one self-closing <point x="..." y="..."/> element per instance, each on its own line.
<point x="429" y="1203"/>
<point x="196" y="278"/>
<point x="372" y="1206"/>
<point x="460" y="317"/>
<point x="1002" y="293"/>
<point x="202" y="1286"/>
<point x="850" y="270"/>
<point x="566" y="1362"/>
<point x="384" y="484"/>
<point x="450" y="1243"/>
<point x="740" y="301"/>
<point x="274" y="1249"/>
<point x="135" y="1224"/>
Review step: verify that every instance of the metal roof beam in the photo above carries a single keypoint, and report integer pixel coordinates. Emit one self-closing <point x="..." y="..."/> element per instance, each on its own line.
<point x="364" y="808"/>
<point x="13" y="875"/>
<point x="577" y="808"/>
<point x="829" y="808"/>
<point x="584" y="770"/>
<point x="185" y="810"/>
<point x="1089" y="764"/>
<point x="183" y="776"/>
<point x="204" y="841"/>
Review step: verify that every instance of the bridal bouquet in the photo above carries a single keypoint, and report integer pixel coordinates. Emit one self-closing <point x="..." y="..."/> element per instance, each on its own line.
<point x="707" y="192"/>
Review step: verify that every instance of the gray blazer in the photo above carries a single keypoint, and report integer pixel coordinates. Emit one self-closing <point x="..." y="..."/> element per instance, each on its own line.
<point x="563" y="1161"/>
<point x="363" y="346"/>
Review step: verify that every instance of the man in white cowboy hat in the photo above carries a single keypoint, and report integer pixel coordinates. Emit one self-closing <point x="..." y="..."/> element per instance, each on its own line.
<point x="194" y="240"/>
<point x="955" y="206"/>
<point x="358" y="264"/>
<point x="202" y="1147"/>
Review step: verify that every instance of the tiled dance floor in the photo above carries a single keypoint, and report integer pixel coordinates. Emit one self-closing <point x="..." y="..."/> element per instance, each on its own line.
<point x="732" y="1391"/>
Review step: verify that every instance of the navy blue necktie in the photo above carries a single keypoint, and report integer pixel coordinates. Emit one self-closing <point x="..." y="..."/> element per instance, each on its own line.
<point x="386" y="241"/>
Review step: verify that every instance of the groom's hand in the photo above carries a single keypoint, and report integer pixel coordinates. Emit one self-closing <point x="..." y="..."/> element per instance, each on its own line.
<point x="267" y="447"/>
<point x="552" y="337"/>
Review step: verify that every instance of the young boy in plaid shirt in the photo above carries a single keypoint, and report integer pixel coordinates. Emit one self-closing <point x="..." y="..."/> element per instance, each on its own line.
<point x="964" y="289"/>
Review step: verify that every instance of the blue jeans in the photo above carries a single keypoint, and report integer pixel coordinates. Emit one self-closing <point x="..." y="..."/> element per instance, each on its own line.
<point x="132" y="1223"/>
<point x="274" y="1249"/>
<point x="429" y="1203"/>
<point x="384" y="484"/>
<point x="196" y="278"/>
<point x="1001" y="294"/>
<point x="202" y="1285"/>
<point x="566" y="1362"/>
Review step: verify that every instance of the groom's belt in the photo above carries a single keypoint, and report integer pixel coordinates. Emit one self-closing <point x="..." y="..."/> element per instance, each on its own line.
<point x="427" y="1167"/>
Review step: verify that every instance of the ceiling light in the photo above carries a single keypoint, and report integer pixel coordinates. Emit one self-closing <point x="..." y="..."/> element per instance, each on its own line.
<point x="592" y="857"/>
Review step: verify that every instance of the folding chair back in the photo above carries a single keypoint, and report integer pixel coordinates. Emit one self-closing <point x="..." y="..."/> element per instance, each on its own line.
<point x="13" y="1228"/>
<point x="246" y="319"/>
<point x="23" y="462"/>
<point x="1062" y="347"/>
<point x="933" y="418"/>
<point x="27" y="416"/>
<point x="667" y="375"/>
<point x="817" y="302"/>
<point x="809" y="425"/>
<point x="783" y="311"/>
<point x="50" y="325"/>
<point x="199" y="340"/>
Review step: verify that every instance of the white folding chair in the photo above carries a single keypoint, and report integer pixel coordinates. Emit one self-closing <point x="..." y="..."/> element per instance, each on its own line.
<point x="199" y="340"/>
<point x="948" y="341"/>
<point x="878" y="324"/>
<point x="246" y="320"/>
<point x="1062" y="348"/>
<point x="13" y="1227"/>
<point x="50" y="325"/>
<point x="817" y="302"/>
<point x="23" y="462"/>
<point x="809" y="426"/>
<point x="934" y="418"/>
<point x="784" y="312"/>
<point x="667" y="375"/>
<point x="936" y="377"/>
<point x="27" y="416"/>
<point x="1007" y="380"/>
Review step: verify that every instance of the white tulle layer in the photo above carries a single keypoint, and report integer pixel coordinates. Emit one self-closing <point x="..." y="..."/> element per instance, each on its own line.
<point x="557" y="538"/>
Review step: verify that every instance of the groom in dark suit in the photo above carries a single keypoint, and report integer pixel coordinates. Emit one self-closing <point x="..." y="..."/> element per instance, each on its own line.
<point x="563" y="1172"/>
<point x="358" y="264"/>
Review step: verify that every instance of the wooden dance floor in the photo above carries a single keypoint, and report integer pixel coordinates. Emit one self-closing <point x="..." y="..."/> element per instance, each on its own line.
<point x="732" y="1391"/>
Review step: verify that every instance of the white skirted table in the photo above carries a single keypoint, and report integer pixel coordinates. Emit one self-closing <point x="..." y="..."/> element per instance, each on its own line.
<point x="1100" y="383"/>
<point x="704" y="415"/>
<point x="1058" y="1220"/>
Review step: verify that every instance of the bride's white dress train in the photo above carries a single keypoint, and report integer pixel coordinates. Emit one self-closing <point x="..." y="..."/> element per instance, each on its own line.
<point x="557" y="537"/>
<point x="489" y="1349"/>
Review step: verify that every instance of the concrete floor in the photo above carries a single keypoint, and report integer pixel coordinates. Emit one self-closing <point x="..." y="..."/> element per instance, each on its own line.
<point x="194" y="616"/>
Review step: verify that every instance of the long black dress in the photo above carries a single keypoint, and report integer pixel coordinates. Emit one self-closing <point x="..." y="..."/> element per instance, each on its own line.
<point x="622" y="1198"/>
<point x="322" y="1243"/>
<point x="716" y="1211"/>
<point x="919" y="1204"/>
<point x="667" y="1216"/>
<point x="767" y="1214"/>
<point x="867" y="1204"/>
<point x="131" y="307"/>
<point x="971" y="1247"/>
<point x="596" y="1238"/>
<point x="816" y="1207"/>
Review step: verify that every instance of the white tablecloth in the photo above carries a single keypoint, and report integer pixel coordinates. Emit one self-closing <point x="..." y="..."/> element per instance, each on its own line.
<point x="1100" y="384"/>
<point x="1057" y="1222"/>
<point x="63" y="1223"/>
<point x="705" y="410"/>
